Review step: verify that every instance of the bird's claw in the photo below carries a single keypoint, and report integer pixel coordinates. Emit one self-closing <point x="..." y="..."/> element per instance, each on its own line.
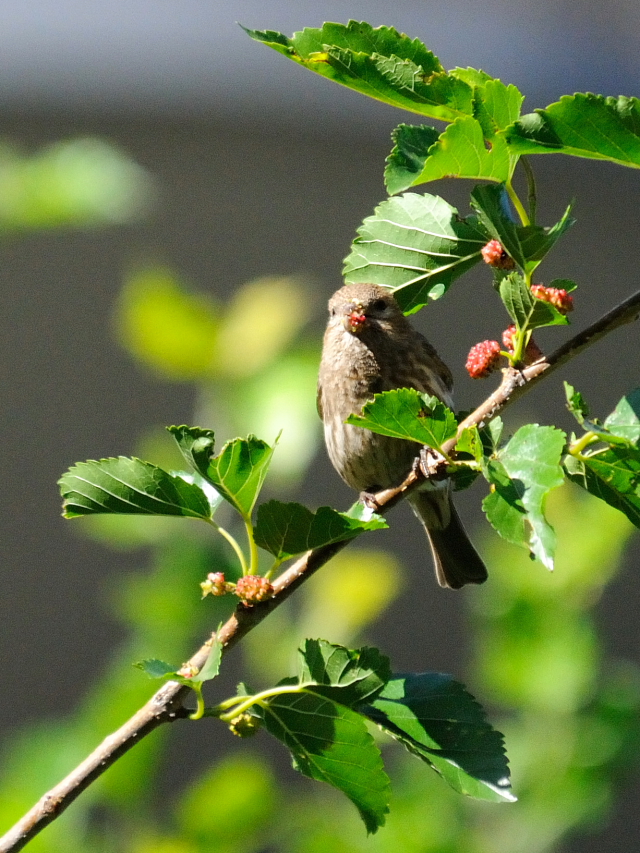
<point x="369" y="500"/>
<point x="432" y="464"/>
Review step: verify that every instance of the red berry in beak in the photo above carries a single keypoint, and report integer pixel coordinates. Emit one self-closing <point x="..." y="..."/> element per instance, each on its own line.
<point x="355" y="321"/>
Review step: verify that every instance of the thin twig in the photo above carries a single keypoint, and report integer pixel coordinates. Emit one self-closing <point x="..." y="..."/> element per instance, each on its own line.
<point x="166" y="704"/>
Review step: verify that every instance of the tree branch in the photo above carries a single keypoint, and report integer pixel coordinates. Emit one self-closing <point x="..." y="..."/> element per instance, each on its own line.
<point x="166" y="705"/>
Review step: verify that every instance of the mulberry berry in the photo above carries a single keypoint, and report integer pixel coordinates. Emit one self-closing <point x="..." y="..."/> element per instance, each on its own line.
<point x="483" y="359"/>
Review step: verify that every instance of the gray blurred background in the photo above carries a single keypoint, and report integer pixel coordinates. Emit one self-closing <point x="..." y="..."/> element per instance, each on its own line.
<point x="260" y="168"/>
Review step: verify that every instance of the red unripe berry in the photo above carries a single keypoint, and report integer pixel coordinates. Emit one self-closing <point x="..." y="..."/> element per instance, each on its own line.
<point x="507" y="338"/>
<point x="483" y="359"/>
<point x="493" y="253"/>
<point x="555" y="296"/>
<point x="253" y="588"/>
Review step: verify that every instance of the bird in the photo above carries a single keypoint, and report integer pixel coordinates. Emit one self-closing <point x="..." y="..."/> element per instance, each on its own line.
<point x="370" y="346"/>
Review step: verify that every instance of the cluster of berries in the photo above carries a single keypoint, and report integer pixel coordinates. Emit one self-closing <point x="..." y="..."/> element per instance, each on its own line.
<point x="249" y="589"/>
<point x="485" y="357"/>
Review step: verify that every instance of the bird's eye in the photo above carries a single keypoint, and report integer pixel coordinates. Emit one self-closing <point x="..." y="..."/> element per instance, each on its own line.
<point x="379" y="305"/>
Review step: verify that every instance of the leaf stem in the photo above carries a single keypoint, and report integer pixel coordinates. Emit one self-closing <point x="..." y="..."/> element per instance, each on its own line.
<point x="253" y="548"/>
<point x="576" y="447"/>
<point x="515" y="199"/>
<point x="531" y="187"/>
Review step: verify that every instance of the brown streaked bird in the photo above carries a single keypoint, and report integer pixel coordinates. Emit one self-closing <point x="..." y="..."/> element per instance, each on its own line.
<point x="369" y="347"/>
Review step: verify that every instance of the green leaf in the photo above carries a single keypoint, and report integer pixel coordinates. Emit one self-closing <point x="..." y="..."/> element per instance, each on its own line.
<point x="536" y="242"/>
<point x="576" y="403"/>
<point x="613" y="475"/>
<point x="155" y="668"/>
<point x="330" y="743"/>
<point x="129" y="485"/>
<point x="438" y="720"/>
<point x="407" y="157"/>
<point x="409" y="414"/>
<point x="526" y="244"/>
<point x="469" y="443"/>
<point x="472" y="76"/>
<point x="521" y="476"/>
<point x="497" y="106"/>
<point x="622" y="427"/>
<point x="491" y="434"/>
<point x="624" y="421"/>
<point x="211" y="666"/>
<point x="344" y="675"/>
<point x="238" y="471"/>
<point x="196" y="445"/>
<point x="378" y="62"/>
<point x="416" y="245"/>
<point x="494" y="211"/>
<point x="582" y="125"/>
<point x="524" y="308"/>
<point x="287" y="529"/>
<point x="459" y="152"/>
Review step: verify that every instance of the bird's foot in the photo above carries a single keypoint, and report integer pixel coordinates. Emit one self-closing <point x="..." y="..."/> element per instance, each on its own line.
<point x="432" y="464"/>
<point x="368" y="498"/>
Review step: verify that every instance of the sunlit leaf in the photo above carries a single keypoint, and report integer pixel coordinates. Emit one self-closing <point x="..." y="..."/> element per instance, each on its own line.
<point x="409" y="414"/>
<point x="76" y="182"/>
<point x="237" y="472"/>
<point x="583" y="125"/>
<point x="260" y="322"/>
<point x="525" y="471"/>
<point x="287" y="529"/>
<point x="498" y="106"/>
<point x="378" y="62"/>
<point x="524" y="308"/>
<point x="416" y="245"/>
<point x="459" y="152"/>
<point x="129" y="485"/>
<point x="624" y="421"/>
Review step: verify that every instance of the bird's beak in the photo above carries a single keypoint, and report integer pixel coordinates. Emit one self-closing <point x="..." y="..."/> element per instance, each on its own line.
<point x="354" y="320"/>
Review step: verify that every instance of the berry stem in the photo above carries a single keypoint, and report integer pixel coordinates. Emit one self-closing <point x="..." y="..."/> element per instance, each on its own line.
<point x="230" y="539"/>
<point x="240" y="704"/>
<point x="200" y="708"/>
<point x="274" y="567"/>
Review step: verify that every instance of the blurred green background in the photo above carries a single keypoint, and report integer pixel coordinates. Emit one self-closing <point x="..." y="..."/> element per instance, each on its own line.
<point x="171" y="264"/>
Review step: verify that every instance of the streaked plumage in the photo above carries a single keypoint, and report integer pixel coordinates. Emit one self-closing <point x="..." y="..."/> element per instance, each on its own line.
<point x="369" y="347"/>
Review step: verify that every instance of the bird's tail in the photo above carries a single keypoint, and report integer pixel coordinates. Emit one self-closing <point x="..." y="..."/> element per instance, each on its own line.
<point x="456" y="560"/>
